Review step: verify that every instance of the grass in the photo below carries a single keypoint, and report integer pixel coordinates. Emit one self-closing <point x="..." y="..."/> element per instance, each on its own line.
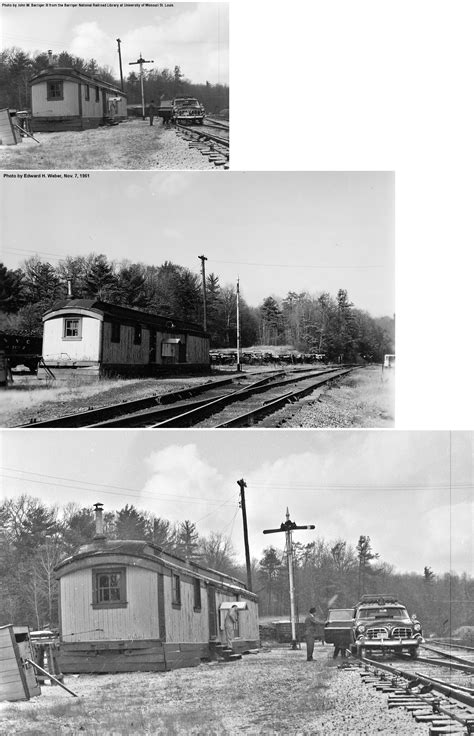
<point x="132" y="144"/>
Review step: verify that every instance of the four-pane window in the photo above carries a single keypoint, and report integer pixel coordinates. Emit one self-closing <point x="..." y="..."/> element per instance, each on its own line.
<point x="55" y="90"/>
<point x="72" y="328"/>
<point x="109" y="588"/>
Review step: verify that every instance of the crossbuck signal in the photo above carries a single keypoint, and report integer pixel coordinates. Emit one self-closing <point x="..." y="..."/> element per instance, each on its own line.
<point x="288" y="527"/>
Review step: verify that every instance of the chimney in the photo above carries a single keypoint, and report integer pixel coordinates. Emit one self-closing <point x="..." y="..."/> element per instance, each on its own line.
<point x="69" y="289"/>
<point x="99" y="521"/>
<point x="50" y="58"/>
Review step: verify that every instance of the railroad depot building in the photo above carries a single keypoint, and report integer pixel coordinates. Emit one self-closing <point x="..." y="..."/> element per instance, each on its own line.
<point x="63" y="98"/>
<point x="88" y="333"/>
<point x="135" y="607"/>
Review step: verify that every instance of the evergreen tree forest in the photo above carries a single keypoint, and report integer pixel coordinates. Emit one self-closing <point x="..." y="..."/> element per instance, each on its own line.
<point x="18" y="67"/>
<point x="323" y="324"/>
<point x="34" y="537"/>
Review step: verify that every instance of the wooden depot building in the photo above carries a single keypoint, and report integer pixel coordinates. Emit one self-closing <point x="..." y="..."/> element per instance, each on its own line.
<point x="126" y="605"/>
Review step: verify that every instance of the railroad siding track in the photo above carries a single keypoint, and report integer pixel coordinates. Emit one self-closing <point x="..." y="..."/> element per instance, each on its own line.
<point x="205" y="139"/>
<point x="446" y="707"/>
<point x="249" y="409"/>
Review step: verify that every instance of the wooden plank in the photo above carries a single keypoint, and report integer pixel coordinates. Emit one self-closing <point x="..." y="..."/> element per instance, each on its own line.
<point x="110" y="645"/>
<point x="16" y="687"/>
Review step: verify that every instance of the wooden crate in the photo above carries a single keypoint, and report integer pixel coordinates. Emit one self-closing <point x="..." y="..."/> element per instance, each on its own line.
<point x="17" y="678"/>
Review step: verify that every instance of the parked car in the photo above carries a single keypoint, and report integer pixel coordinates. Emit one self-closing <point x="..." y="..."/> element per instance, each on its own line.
<point x="188" y="110"/>
<point x="382" y="623"/>
<point x="338" y="627"/>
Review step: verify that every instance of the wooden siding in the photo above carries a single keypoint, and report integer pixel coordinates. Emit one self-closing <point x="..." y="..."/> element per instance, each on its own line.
<point x="8" y="135"/>
<point x="13" y="685"/>
<point x="87" y="348"/>
<point x="125" y="352"/>
<point x="184" y="624"/>
<point x="197" y="349"/>
<point x="139" y="620"/>
<point x="91" y="108"/>
<point x="42" y="107"/>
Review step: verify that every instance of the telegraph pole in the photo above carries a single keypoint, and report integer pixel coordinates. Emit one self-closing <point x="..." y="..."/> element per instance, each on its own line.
<point x="288" y="527"/>
<point x="203" y="260"/>
<point x="239" y="367"/>
<point x="142" y="61"/>
<point x="120" y="62"/>
<point x="243" y="485"/>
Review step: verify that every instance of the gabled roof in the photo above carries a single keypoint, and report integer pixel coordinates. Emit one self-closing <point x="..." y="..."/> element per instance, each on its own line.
<point x="124" y="314"/>
<point x="65" y="72"/>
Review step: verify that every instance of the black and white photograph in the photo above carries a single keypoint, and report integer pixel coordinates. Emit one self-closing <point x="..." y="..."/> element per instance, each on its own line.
<point x="114" y="86"/>
<point x="154" y="572"/>
<point x="270" y="303"/>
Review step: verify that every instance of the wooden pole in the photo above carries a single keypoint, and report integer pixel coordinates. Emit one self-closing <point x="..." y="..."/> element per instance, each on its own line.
<point x="51" y="677"/>
<point x="242" y="485"/>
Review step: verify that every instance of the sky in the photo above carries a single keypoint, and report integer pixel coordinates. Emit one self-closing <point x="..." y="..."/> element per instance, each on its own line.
<point x="411" y="492"/>
<point x="275" y="231"/>
<point x="194" y="36"/>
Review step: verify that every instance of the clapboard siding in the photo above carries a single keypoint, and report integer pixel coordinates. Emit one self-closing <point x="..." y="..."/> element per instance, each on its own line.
<point x="8" y="136"/>
<point x="13" y="684"/>
<point x="139" y="620"/>
<point x="41" y="106"/>
<point x="184" y="624"/>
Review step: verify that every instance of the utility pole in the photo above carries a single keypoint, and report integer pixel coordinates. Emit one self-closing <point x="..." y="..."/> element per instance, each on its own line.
<point x="142" y="61"/>
<point x="243" y="485"/>
<point x="120" y="62"/>
<point x="203" y="260"/>
<point x="239" y="367"/>
<point x="288" y="527"/>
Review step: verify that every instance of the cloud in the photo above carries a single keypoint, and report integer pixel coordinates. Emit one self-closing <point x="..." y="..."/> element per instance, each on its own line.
<point x="88" y="38"/>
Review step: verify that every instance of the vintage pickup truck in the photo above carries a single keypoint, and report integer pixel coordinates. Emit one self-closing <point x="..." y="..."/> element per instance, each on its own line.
<point x="382" y="623"/>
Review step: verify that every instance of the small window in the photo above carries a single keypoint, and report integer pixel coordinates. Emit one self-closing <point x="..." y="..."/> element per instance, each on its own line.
<point x="137" y="337"/>
<point x="97" y="94"/>
<point x="72" y="328"/>
<point x="197" y="594"/>
<point x="108" y="588"/>
<point x="115" y="335"/>
<point x="176" y="590"/>
<point x="88" y="95"/>
<point x="55" y="91"/>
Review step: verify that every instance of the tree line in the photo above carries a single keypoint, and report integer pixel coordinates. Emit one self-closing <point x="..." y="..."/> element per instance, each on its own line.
<point x="18" y="67"/>
<point x="321" y="324"/>
<point x="34" y="537"/>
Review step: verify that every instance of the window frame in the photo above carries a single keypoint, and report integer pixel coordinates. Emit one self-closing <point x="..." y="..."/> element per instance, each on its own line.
<point x="55" y="97"/>
<point x="87" y="93"/>
<point x="115" y="332"/>
<point x="97" y="572"/>
<point x="197" y="595"/>
<point x="175" y="590"/>
<point x="79" y="328"/>
<point x="97" y="93"/>
<point x="137" y="334"/>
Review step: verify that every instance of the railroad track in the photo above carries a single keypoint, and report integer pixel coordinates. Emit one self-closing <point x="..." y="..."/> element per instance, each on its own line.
<point x="228" y="402"/>
<point x="205" y="139"/>
<point x="446" y="706"/>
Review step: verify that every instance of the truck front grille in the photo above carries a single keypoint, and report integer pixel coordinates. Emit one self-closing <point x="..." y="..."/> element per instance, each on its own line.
<point x="377" y="633"/>
<point x="401" y="633"/>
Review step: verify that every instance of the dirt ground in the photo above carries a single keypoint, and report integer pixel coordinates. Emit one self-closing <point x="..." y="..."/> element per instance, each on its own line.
<point x="273" y="692"/>
<point x="133" y="144"/>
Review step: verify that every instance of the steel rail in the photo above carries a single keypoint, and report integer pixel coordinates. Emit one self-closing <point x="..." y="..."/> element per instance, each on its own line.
<point x="90" y="417"/>
<point x="273" y="405"/>
<point x="439" y="663"/>
<point x="196" y="415"/>
<point x="452" y="644"/>
<point x="444" y="688"/>
<point x="203" y="134"/>
<point x="450" y="656"/>
<point x="149" y="417"/>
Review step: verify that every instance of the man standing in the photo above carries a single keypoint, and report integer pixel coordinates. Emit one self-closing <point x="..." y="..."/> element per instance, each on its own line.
<point x="229" y="624"/>
<point x="310" y="631"/>
<point x="151" y="111"/>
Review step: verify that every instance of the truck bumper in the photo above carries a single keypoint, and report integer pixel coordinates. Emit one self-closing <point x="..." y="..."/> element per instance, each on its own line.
<point x="387" y="643"/>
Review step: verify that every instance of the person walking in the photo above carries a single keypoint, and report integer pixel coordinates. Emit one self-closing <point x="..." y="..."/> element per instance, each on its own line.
<point x="310" y="631"/>
<point x="229" y="625"/>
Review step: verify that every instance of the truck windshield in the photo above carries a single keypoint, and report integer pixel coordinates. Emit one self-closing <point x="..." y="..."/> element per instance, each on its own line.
<point x="187" y="103"/>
